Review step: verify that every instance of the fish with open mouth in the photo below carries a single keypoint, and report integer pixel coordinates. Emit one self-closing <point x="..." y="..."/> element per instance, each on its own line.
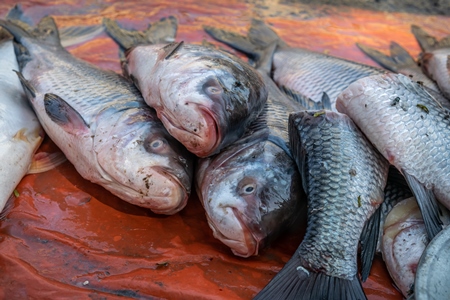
<point x="101" y="123"/>
<point x="344" y="177"/>
<point x="206" y="98"/>
<point x="412" y="131"/>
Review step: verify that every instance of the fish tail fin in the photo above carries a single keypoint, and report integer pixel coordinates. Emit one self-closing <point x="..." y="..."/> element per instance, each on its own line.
<point x="162" y="31"/>
<point x="260" y="43"/>
<point x="399" y="58"/>
<point x="296" y="282"/>
<point x="369" y="241"/>
<point x="427" y="42"/>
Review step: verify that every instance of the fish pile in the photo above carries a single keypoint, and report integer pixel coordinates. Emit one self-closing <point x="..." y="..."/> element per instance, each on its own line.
<point x="295" y="135"/>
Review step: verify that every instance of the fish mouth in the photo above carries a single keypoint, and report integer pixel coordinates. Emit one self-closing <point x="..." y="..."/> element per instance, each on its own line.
<point x="202" y="141"/>
<point x="176" y="194"/>
<point x="248" y="246"/>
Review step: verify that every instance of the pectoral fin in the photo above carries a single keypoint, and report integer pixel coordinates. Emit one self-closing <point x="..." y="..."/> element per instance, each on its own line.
<point x="64" y="115"/>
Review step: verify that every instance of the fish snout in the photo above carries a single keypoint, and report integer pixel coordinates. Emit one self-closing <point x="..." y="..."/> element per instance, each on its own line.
<point x="164" y="192"/>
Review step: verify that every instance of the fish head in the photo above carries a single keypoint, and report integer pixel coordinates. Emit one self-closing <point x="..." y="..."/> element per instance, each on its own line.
<point x="204" y="98"/>
<point x="249" y="197"/>
<point x="145" y="164"/>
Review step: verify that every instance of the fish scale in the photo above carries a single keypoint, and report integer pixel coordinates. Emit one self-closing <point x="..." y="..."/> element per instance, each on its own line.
<point x="344" y="177"/>
<point x="296" y="69"/>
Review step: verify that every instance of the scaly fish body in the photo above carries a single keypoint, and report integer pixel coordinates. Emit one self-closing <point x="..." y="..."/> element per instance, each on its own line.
<point x="101" y="123"/>
<point x="205" y="97"/>
<point x="311" y="73"/>
<point x="407" y="125"/>
<point x="344" y="177"/>
<point x="250" y="190"/>
<point x="20" y="130"/>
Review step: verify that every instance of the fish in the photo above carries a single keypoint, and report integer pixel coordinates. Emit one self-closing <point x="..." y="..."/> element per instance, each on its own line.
<point x="435" y="58"/>
<point x="101" y="123"/>
<point x="21" y="133"/>
<point x="206" y="98"/>
<point x="399" y="61"/>
<point x="403" y="242"/>
<point x="344" y="177"/>
<point x="250" y="190"/>
<point x="301" y="72"/>
<point x="412" y="131"/>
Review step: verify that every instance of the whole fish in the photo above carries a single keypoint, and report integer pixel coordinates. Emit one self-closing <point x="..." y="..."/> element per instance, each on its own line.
<point x="399" y="61"/>
<point x="250" y="190"/>
<point x="344" y="177"/>
<point x="302" y="73"/>
<point x="20" y="130"/>
<point x="435" y="58"/>
<point x="412" y="131"/>
<point x="205" y="97"/>
<point x="403" y="242"/>
<point x="101" y="123"/>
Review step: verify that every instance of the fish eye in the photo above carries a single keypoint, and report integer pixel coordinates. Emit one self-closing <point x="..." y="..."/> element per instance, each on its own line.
<point x="156" y="145"/>
<point x="248" y="189"/>
<point x="212" y="90"/>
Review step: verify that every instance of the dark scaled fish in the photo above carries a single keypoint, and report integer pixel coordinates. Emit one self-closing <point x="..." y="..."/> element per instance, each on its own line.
<point x="344" y="177"/>
<point x="101" y="123"/>
<point x="206" y="98"/>
<point x="435" y="58"/>
<point x="300" y="72"/>
<point x="412" y="131"/>
<point x="250" y="190"/>
<point x="399" y="61"/>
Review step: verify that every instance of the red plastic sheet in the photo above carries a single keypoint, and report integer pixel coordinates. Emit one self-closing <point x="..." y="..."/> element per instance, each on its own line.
<point x="68" y="238"/>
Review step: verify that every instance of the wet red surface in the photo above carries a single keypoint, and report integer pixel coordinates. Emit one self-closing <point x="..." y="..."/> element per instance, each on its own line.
<point x="68" y="238"/>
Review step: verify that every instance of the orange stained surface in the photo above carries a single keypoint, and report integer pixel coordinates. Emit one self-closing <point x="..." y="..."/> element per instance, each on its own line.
<point x="68" y="238"/>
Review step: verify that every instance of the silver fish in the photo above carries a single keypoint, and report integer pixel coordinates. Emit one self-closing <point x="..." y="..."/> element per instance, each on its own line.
<point x="403" y="242"/>
<point x="101" y="123"/>
<point x="434" y="58"/>
<point x="300" y="72"/>
<point x="20" y="130"/>
<point x="344" y="177"/>
<point x="250" y="190"/>
<point x="205" y="97"/>
<point x="412" y="131"/>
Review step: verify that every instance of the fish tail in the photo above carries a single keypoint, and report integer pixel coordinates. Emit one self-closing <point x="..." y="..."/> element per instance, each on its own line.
<point x="163" y="31"/>
<point x="296" y="282"/>
<point x="399" y="58"/>
<point x="260" y="43"/>
<point x="45" y="32"/>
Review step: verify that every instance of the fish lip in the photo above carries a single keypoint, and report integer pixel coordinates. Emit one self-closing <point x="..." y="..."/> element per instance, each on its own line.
<point x="251" y="242"/>
<point x="217" y="132"/>
<point x="186" y="191"/>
